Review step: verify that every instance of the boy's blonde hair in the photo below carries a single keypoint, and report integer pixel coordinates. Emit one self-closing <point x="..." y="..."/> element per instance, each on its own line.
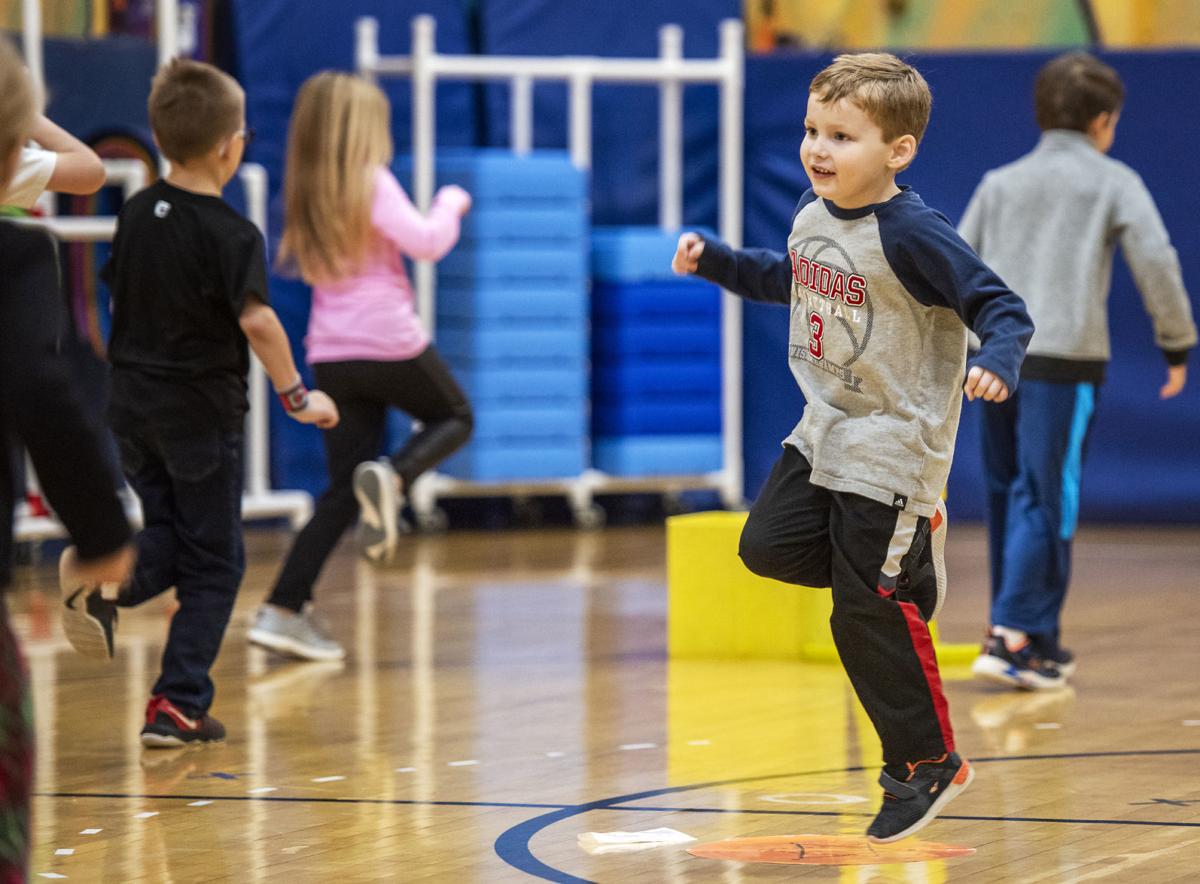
<point x="340" y="133"/>
<point x="18" y="109"/>
<point x="892" y="93"/>
<point x="193" y="106"/>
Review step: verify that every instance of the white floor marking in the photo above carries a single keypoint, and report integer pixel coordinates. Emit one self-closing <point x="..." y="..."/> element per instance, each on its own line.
<point x="91" y="831"/>
<point x="632" y="747"/>
<point x="405" y="769"/>
<point x="555" y="754"/>
<point x="262" y="790"/>
<point x="65" y="851"/>
<point x="199" y="803"/>
<point x="145" y="814"/>
<point x="467" y="763"/>
<point x="328" y="779"/>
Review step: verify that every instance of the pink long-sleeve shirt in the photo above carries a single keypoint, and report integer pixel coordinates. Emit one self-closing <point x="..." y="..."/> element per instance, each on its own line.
<point x="371" y="315"/>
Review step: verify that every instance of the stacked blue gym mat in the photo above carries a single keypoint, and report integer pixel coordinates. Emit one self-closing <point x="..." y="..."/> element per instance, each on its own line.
<point x="512" y="314"/>
<point x="656" y="359"/>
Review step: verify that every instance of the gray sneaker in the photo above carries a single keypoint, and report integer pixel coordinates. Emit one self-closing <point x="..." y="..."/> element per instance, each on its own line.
<point x="89" y="620"/>
<point x="378" y="510"/>
<point x="297" y="635"/>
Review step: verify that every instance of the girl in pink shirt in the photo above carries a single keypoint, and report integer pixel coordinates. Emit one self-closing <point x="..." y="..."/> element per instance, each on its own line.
<point x="347" y="227"/>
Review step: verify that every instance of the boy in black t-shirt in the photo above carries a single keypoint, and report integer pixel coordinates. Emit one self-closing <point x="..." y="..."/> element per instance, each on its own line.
<point x="189" y="290"/>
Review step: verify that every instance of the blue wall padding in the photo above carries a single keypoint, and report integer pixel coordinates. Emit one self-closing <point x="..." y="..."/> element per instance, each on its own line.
<point x="501" y="300"/>
<point x="524" y="264"/>
<point x="97" y="87"/>
<point x="1137" y="468"/>
<point x="624" y="117"/>
<point x="673" y="300"/>
<point x="632" y="254"/>
<point x="657" y="455"/>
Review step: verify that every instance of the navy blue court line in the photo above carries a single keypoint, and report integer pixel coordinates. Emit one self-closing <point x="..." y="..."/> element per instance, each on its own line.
<point x="512" y="845"/>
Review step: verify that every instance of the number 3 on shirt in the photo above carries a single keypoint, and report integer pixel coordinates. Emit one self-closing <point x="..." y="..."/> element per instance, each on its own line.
<point x="816" y="327"/>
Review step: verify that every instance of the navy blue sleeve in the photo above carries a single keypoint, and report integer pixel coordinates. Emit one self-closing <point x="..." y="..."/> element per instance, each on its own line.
<point x="754" y="274"/>
<point x="939" y="269"/>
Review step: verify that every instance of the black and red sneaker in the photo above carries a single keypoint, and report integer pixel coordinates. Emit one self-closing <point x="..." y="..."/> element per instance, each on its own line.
<point x="167" y="727"/>
<point x="912" y="803"/>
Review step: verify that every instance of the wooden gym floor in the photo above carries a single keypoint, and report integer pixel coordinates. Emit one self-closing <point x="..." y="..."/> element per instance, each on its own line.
<point x="508" y="691"/>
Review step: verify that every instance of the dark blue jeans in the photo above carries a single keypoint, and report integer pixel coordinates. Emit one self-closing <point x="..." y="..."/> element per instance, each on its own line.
<point x="1033" y="450"/>
<point x="191" y="492"/>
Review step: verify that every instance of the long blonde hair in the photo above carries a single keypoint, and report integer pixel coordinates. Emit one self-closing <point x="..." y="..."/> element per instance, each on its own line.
<point x="18" y="109"/>
<point x="339" y="134"/>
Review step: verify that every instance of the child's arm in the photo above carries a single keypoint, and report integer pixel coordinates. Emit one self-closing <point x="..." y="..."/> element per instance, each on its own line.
<point x="269" y="342"/>
<point x="939" y="269"/>
<point x="755" y="274"/>
<point x="421" y="237"/>
<point x="1155" y="267"/>
<point x="77" y="168"/>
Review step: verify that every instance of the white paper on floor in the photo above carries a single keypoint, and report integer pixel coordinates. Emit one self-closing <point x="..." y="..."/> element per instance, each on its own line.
<point x="614" y="842"/>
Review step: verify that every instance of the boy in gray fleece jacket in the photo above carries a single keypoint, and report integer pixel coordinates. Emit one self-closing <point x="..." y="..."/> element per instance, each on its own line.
<point x="881" y="291"/>
<point x="1048" y="224"/>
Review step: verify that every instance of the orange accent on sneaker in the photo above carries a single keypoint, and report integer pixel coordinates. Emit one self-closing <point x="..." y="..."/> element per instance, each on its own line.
<point x="963" y="774"/>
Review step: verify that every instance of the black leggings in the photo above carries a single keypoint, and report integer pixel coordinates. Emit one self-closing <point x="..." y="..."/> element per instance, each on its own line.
<point x="424" y="388"/>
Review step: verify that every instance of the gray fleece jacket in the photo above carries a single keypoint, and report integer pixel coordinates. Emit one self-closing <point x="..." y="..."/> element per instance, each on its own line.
<point x="1048" y="224"/>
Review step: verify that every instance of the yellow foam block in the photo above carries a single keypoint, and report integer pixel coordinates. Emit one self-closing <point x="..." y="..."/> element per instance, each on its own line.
<point x="718" y="609"/>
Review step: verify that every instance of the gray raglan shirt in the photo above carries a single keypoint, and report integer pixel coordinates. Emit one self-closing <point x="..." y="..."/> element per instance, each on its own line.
<point x="1048" y="224"/>
<point x="881" y="298"/>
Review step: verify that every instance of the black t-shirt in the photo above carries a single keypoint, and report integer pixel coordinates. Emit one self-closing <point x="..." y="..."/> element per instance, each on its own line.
<point x="182" y="266"/>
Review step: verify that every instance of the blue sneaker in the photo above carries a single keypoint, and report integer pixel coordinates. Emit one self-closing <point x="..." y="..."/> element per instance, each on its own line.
<point x="1023" y="668"/>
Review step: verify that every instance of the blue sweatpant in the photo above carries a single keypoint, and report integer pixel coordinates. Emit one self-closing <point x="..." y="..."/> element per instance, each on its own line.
<point x="1033" y="447"/>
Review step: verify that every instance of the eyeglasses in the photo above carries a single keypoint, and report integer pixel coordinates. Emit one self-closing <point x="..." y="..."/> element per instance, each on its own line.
<point x="247" y="135"/>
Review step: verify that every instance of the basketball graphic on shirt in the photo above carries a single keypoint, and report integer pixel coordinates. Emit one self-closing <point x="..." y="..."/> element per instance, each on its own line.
<point x="832" y="314"/>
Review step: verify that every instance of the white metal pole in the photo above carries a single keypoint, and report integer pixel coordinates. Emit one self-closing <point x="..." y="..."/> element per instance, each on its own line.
<point x="521" y="114"/>
<point x="580" y="119"/>
<point x="258" y="427"/>
<point x="31" y="37"/>
<point x="167" y="21"/>
<point x="366" y="46"/>
<point x="670" y="131"/>
<point x="731" y="231"/>
<point x="424" y="135"/>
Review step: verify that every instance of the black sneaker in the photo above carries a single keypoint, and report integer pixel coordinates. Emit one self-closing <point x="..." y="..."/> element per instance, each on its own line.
<point x="910" y="805"/>
<point x="1047" y="646"/>
<point x="89" y="620"/>
<point x="167" y="727"/>
<point x="922" y="578"/>
<point x="1024" y="668"/>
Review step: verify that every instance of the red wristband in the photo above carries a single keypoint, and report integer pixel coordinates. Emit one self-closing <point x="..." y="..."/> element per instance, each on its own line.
<point x="294" y="398"/>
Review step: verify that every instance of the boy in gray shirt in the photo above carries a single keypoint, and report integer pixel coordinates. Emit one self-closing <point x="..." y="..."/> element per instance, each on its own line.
<point x="1048" y="224"/>
<point x="881" y="291"/>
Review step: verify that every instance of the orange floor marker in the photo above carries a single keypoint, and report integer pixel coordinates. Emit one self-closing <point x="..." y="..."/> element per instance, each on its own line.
<point x="825" y="850"/>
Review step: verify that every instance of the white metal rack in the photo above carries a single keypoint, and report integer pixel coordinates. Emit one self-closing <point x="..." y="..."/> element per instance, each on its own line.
<point x="259" y="500"/>
<point x="670" y="72"/>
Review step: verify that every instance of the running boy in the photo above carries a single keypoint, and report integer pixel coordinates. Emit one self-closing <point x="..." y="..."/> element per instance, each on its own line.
<point x="1049" y="223"/>
<point x="39" y="402"/>
<point x="881" y="291"/>
<point x="189" y="288"/>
